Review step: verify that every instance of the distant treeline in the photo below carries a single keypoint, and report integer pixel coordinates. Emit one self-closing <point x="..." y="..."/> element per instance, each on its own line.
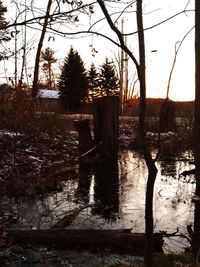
<point x="153" y="107"/>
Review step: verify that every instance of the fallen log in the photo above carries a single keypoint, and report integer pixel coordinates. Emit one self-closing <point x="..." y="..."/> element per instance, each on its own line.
<point x="115" y="240"/>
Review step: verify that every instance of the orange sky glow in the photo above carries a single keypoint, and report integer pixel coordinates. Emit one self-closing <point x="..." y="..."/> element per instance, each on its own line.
<point x="160" y="46"/>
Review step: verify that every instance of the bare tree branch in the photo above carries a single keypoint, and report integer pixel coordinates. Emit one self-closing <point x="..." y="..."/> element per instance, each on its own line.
<point x="37" y="59"/>
<point x="118" y="33"/>
<point x="174" y="61"/>
<point x="162" y="22"/>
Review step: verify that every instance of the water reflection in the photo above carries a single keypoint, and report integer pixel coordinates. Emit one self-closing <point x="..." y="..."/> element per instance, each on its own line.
<point x="168" y="167"/>
<point x="106" y="190"/>
<point x="84" y="183"/>
<point x="100" y="187"/>
<point x="116" y="194"/>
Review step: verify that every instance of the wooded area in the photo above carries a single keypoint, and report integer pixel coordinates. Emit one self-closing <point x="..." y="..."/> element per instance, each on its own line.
<point x="24" y="172"/>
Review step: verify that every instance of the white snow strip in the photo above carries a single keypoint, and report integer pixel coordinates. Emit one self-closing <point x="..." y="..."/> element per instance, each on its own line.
<point x="9" y="133"/>
<point x="45" y="93"/>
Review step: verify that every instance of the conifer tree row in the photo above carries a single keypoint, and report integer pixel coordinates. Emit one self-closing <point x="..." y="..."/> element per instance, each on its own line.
<point x="76" y="84"/>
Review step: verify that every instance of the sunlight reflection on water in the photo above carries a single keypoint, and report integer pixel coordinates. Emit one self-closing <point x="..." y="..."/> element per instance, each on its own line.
<point x="120" y="204"/>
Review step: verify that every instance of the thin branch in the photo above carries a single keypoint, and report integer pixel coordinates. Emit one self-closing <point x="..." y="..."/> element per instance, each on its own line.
<point x="43" y="17"/>
<point x="61" y="33"/>
<point x="161" y="22"/>
<point x="174" y="61"/>
<point x="98" y="21"/>
<point x="118" y="33"/>
<point x="91" y="150"/>
<point x="64" y="14"/>
<point x="123" y="11"/>
<point x="37" y="59"/>
<point x="187" y="5"/>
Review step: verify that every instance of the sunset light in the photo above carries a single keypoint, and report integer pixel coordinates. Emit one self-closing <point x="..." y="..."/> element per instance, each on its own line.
<point x="100" y="133"/>
<point x="160" y="45"/>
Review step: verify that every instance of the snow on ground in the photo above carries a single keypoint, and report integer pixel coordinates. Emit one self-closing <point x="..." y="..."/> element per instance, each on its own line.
<point x="9" y="133"/>
<point x="45" y="93"/>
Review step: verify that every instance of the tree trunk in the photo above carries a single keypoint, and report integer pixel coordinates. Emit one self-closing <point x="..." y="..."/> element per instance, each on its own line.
<point x="148" y="254"/>
<point x="147" y="155"/>
<point x="167" y="116"/>
<point x="37" y="58"/>
<point x="106" y="126"/>
<point x="84" y="135"/>
<point x="152" y="170"/>
<point x="196" y="240"/>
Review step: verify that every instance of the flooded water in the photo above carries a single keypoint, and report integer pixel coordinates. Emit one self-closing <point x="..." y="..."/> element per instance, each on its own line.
<point x="113" y="197"/>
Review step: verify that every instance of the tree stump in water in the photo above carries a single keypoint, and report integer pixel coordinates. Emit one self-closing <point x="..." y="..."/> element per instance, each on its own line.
<point x="84" y="135"/>
<point x="106" y="126"/>
<point x="167" y="116"/>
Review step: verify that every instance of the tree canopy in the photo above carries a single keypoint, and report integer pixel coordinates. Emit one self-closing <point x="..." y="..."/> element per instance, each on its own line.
<point x="73" y="81"/>
<point x="103" y="81"/>
<point x="109" y="82"/>
<point x="48" y="58"/>
<point x="93" y="79"/>
<point x="4" y="34"/>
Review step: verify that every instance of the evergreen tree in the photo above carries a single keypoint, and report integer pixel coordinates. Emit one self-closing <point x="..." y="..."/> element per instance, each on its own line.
<point x="109" y="81"/>
<point x="4" y="37"/>
<point x="93" y="79"/>
<point x="73" y="81"/>
<point x="48" y="58"/>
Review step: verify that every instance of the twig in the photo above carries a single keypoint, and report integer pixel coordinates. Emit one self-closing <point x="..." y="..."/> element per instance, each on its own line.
<point x="92" y="149"/>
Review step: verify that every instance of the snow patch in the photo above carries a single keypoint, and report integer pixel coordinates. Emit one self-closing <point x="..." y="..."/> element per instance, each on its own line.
<point x="9" y="133"/>
<point x="50" y="94"/>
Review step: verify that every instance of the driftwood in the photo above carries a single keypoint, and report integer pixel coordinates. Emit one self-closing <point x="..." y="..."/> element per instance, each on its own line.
<point x="118" y="240"/>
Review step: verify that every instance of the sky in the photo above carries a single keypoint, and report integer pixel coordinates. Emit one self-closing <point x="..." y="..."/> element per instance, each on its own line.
<point x="163" y="39"/>
<point x="160" y="44"/>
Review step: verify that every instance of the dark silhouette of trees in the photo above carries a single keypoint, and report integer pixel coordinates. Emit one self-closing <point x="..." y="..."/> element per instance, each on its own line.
<point x="4" y="35"/>
<point x="108" y="80"/>
<point x="103" y="82"/>
<point x="73" y="82"/>
<point x="93" y="80"/>
<point x="3" y="24"/>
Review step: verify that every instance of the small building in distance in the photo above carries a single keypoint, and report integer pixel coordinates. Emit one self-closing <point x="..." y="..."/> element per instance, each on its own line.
<point x="49" y="100"/>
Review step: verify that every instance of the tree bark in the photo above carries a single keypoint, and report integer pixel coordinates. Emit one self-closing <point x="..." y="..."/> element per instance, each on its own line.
<point x="152" y="170"/>
<point x="84" y="135"/>
<point x="106" y="126"/>
<point x="196" y="241"/>
<point x="37" y="58"/>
